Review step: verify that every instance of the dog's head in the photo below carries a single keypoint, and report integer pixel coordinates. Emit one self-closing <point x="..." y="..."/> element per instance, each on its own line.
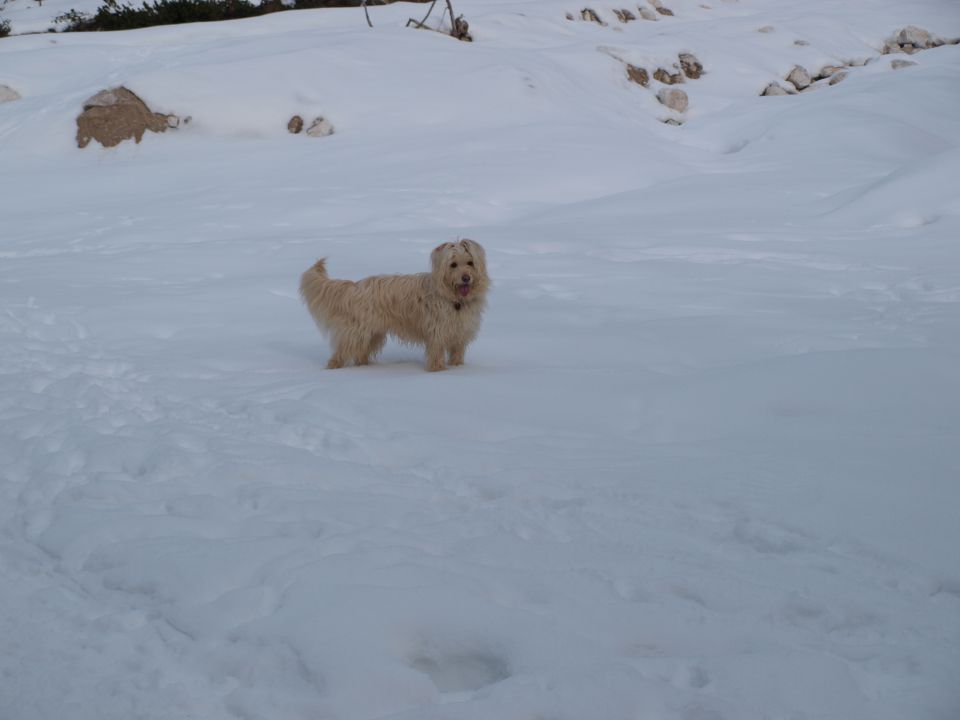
<point x="460" y="270"/>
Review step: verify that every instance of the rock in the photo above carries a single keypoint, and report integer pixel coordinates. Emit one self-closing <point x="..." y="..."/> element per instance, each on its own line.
<point x="624" y="16"/>
<point x="799" y="78"/>
<point x="295" y="125"/>
<point x="900" y="64"/>
<point x="910" y="40"/>
<point x="569" y="16"/>
<point x="828" y="70"/>
<point x="647" y="14"/>
<point x="674" y="98"/>
<point x="114" y="115"/>
<point x="320" y="127"/>
<point x="8" y="94"/>
<point x="691" y="67"/>
<point x="773" y="89"/>
<point x="638" y="75"/>
<point x="667" y="78"/>
<point x="839" y="77"/>
<point x="590" y="15"/>
<point x="671" y="121"/>
<point x="912" y="35"/>
<point x="660" y="8"/>
<point x="766" y="29"/>
<point x="801" y="43"/>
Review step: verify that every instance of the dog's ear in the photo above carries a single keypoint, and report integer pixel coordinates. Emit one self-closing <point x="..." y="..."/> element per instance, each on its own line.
<point x="475" y="249"/>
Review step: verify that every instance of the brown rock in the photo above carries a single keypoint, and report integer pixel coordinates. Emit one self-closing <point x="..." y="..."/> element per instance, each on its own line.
<point x="638" y="75"/>
<point x="295" y="125"/>
<point x="114" y="115"/>
<point x="766" y="29"/>
<point x="691" y="67"/>
<point x="588" y="14"/>
<point x="624" y="15"/>
<point x="666" y="77"/>
<point x="839" y="77"/>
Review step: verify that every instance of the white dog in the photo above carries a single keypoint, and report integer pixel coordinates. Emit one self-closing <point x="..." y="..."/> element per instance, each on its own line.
<point x="440" y="310"/>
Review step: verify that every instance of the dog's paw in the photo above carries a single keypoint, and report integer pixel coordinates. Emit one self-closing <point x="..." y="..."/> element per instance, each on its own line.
<point x="436" y="367"/>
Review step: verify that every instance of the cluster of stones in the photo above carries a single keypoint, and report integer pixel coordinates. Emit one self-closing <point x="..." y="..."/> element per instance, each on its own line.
<point x="673" y="98"/>
<point x="908" y="40"/>
<point x="117" y="114"/>
<point x="912" y="39"/>
<point x="320" y="127"/>
<point x="799" y="79"/>
<point x="626" y="15"/>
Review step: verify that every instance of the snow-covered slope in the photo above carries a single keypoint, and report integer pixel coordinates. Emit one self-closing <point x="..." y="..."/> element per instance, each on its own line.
<point x="702" y="461"/>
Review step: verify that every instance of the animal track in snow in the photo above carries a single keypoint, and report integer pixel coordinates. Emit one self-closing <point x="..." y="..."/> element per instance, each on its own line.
<point x="462" y="672"/>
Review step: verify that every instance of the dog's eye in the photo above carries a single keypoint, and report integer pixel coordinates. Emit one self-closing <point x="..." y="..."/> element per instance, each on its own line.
<point x="470" y="263"/>
<point x="453" y="265"/>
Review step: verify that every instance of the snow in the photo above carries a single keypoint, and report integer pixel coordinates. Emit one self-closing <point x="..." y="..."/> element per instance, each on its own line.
<point x="701" y="463"/>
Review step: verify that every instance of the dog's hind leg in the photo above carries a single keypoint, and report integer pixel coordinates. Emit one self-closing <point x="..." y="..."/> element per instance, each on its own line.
<point x="373" y="347"/>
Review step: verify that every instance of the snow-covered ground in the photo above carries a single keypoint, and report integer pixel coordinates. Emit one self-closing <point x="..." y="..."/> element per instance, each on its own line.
<point x="702" y="462"/>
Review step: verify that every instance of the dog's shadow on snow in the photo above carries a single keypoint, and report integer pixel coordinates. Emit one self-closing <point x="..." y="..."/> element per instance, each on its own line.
<point x="393" y="359"/>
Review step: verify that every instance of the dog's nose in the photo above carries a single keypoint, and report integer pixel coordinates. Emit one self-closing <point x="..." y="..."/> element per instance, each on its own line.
<point x="465" y="278"/>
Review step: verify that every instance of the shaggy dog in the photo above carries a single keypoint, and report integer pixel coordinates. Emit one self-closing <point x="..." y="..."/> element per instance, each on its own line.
<point x="440" y="309"/>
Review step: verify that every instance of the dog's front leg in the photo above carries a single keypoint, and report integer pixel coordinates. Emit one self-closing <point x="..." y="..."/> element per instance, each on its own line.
<point x="435" y="355"/>
<point x="456" y="353"/>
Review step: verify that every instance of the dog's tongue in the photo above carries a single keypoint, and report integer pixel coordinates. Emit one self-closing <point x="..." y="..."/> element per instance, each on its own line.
<point x="464" y="290"/>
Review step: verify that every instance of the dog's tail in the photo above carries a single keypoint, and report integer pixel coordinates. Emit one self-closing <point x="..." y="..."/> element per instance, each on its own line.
<point x="316" y="289"/>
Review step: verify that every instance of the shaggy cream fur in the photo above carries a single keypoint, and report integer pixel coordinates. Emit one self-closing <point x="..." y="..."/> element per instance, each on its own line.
<point x="440" y="310"/>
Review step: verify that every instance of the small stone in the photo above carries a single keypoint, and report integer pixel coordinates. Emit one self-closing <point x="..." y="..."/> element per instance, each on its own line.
<point x="900" y="64"/>
<point x="590" y="15"/>
<point x="665" y="11"/>
<point x="647" y="14"/>
<point x="671" y="121"/>
<point x="624" y="15"/>
<point x="320" y="127"/>
<point x="638" y="75"/>
<point x="674" y="98"/>
<point x="666" y="77"/>
<point x="569" y="16"/>
<point x="828" y="70"/>
<point x="8" y="94"/>
<point x="295" y="125"/>
<point x="766" y="29"/>
<point x="799" y="78"/>
<point x="801" y="43"/>
<point x="691" y="67"/>
<point x="839" y="77"/>
<point x="773" y="89"/>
